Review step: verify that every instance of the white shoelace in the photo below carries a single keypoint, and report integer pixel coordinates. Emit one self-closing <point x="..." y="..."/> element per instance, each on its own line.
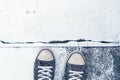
<point x="44" y="72"/>
<point x="77" y="73"/>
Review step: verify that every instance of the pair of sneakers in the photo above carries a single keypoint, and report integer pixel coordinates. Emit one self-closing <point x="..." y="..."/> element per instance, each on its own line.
<point x="44" y="67"/>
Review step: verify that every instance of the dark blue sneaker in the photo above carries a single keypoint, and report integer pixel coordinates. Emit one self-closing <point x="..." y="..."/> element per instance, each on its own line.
<point x="44" y="67"/>
<point x="75" y="67"/>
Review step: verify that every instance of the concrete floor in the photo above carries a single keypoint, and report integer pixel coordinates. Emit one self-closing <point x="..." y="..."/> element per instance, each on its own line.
<point x="46" y="20"/>
<point x="102" y="62"/>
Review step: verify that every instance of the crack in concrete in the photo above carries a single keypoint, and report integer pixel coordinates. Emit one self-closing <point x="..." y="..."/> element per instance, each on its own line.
<point x="59" y="41"/>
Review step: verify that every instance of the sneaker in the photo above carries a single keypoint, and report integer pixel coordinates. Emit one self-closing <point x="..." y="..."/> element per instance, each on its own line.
<point x="75" y="67"/>
<point x="44" y="66"/>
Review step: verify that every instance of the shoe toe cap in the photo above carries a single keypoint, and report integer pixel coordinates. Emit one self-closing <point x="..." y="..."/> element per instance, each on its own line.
<point x="46" y="55"/>
<point x="77" y="59"/>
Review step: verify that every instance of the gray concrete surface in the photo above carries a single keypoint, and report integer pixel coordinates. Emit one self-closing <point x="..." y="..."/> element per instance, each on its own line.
<point x="103" y="63"/>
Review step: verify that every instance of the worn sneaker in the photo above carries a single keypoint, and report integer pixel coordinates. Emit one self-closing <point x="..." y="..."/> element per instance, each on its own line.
<point x="75" y="67"/>
<point x="44" y="66"/>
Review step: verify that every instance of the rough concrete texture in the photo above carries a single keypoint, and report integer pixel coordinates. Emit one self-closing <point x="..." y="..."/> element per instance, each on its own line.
<point x="103" y="63"/>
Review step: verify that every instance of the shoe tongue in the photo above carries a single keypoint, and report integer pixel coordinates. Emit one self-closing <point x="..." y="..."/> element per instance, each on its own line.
<point x="45" y="63"/>
<point x="76" y="67"/>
